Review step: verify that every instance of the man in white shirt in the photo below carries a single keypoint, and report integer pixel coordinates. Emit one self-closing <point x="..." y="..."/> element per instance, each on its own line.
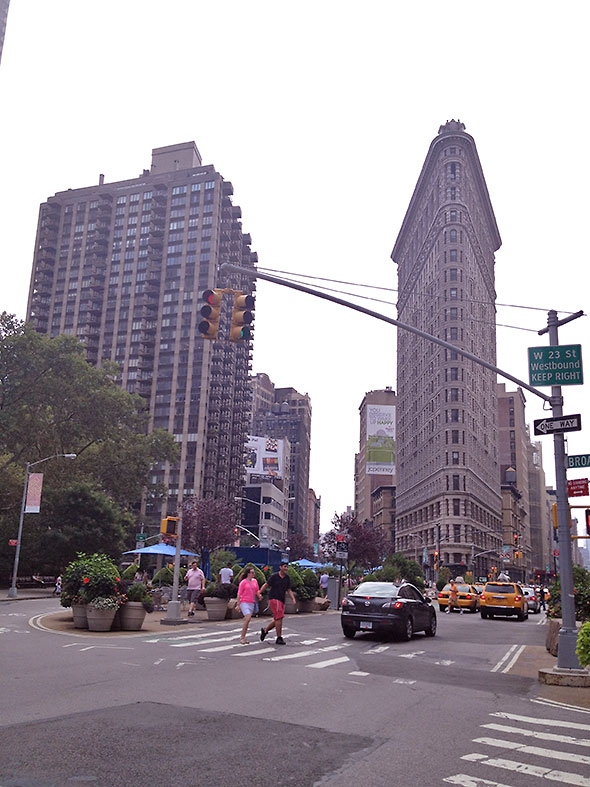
<point x="196" y="583"/>
<point x="226" y="575"/>
<point x="324" y="584"/>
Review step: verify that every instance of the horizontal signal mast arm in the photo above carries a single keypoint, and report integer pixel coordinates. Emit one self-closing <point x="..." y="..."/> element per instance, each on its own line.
<point x="226" y="266"/>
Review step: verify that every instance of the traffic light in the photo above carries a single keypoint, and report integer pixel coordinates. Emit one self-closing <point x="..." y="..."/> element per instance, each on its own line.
<point x="515" y="537"/>
<point x="241" y="318"/>
<point x="435" y="559"/>
<point x="554" y="515"/>
<point x="587" y="515"/>
<point x="168" y="526"/>
<point x="209" y="326"/>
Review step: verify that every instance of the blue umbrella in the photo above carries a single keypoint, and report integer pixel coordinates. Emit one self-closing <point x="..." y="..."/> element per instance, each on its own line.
<point x="304" y="563"/>
<point x="159" y="549"/>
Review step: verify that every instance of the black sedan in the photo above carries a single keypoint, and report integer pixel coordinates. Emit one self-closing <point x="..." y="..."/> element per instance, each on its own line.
<point x="387" y="607"/>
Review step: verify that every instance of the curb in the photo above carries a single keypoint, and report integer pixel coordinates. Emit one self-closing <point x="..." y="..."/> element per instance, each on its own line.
<point x="557" y="676"/>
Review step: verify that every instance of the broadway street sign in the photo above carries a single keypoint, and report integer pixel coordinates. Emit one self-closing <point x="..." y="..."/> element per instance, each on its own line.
<point x="556" y="365"/>
<point x="579" y="460"/>
<point x="566" y="423"/>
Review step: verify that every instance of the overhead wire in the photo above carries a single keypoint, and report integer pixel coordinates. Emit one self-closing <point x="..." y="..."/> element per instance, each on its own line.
<point x="392" y="289"/>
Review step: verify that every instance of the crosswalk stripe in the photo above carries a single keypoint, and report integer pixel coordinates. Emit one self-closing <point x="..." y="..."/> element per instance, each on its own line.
<point x="359" y="674"/>
<point x="378" y="649"/>
<point x="538" y="751"/>
<point x="200" y="642"/>
<point x="547" y="722"/>
<point x="200" y="635"/>
<point x="542" y="736"/>
<point x="463" y="780"/>
<point x="504" y="658"/>
<point x="301" y="653"/>
<point x="329" y="662"/>
<point x="256" y="652"/>
<point x="564" y="777"/>
<point x="557" y="704"/>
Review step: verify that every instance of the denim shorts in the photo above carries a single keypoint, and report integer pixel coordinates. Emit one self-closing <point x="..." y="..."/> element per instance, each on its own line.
<point x="247" y="608"/>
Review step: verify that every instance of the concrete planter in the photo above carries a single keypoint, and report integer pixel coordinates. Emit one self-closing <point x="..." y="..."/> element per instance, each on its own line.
<point x="290" y="608"/>
<point x="79" y="615"/>
<point x="132" y="616"/>
<point x="216" y="608"/>
<point x="552" y="635"/>
<point x="99" y="619"/>
<point x="306" y="605"/>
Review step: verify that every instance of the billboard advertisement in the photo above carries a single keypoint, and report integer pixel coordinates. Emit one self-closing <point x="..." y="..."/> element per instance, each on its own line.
<point x="265" y="456"/>
<point x="380" y="439"/>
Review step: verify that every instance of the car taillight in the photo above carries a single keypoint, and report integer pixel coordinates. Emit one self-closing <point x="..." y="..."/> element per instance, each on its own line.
<point x="398" y="605"/>
<point x="441" y="595"/>
<point x="468" y="595"/>
<point x="517" y="598"/>
<point x="483" y="597"/>
<point x="347" y="603"/>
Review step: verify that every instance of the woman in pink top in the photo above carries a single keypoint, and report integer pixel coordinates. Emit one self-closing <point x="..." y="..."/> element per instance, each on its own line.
<point x="248" y="592"/>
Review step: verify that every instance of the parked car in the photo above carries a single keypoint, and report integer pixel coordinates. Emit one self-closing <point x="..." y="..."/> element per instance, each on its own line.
<point x="387" y="607"/>
<point x="503" y="598"/>
<point x="532" y="600"/>
<point x="467" y="598"/>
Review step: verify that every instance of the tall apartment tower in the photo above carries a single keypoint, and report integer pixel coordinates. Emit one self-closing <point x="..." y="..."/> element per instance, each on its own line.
<point x="122" y="266"/>
<point x="289" y="416"/>
<point x="376" y="407"/>
<point x="3" y="17"/>
<point x="448" y="479"/>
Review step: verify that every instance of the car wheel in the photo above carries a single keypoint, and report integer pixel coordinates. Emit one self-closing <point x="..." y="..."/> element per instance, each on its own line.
<point x="490" y="614"/>
<point x="430" y="630"/>
<point x="521" y="616"/>
<point x="409" y="630"/>
<point x="483" y="614"/>
<point x="349" y="633"/>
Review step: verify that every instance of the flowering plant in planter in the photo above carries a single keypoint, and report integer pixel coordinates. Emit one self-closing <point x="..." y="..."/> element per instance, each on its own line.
<point x="139" y="592"/>
<point x="105" y="602"/>
<point x="89" y="577"/>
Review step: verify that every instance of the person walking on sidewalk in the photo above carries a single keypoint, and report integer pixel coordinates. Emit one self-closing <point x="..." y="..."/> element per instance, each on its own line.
<point x="248" y="592"/>
<point x="279" y="584"/>
<point x="196" y="581"/>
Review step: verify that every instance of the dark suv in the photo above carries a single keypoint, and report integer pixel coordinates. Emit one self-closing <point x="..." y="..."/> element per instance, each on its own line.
<point x="387" y="607"/>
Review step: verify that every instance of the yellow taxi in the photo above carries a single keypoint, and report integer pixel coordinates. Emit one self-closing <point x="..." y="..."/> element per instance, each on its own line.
<point x="503" y="598"/>
<point x="467" y="598"/>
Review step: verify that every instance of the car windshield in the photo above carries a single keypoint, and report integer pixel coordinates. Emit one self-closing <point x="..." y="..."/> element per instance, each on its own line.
<point x="493" y="588"/>
<point x="377" y="589"/>
<point x="460" y="588"/>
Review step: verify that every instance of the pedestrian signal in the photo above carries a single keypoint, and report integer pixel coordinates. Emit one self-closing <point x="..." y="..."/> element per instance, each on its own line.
<point x="241" y="318"/>
<point x="168" y="526"/>
<point x="554" y="515"/>
<point x="209" y="325"/>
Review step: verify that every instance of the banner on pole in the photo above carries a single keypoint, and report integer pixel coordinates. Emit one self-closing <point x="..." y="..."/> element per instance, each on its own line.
<point x="34" y="487"/>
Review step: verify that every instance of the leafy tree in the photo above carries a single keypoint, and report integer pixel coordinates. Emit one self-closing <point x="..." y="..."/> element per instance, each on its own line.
<point x="444" y="575"/>
<point x="220" y="558"/>
<point x="74" y="519"/>
<point x="398" y="567"/>
<point x="53" y="402"/>
<point x="207" y="523"/>
<point x="366" y="542"/>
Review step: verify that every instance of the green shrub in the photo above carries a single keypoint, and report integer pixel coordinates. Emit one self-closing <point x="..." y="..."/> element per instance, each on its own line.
<point x="130" y="572"/>
<point x="583" y="645"/>
<point x="295" y="577"/>
<point x="220" y="558"/>
<point x="89" y="577"/>
<point x="311" y="580"/>
<point x="165" y="576"/>
<point x="241" y="573"/>
<point x="581" y="596"/>
<point x="139" y="592"/>
<point x="213" y="590"/>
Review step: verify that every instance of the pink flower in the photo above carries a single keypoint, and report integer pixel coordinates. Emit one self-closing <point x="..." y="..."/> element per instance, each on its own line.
<point x="86" y="580"/>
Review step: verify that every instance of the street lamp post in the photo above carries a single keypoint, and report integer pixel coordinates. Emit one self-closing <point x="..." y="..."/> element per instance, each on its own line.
<point x="12" y="591"/>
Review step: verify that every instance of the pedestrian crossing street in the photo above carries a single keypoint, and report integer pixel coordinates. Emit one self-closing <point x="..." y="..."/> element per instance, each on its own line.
<point x="312" y="649"/>
<point x="518" y="750"/>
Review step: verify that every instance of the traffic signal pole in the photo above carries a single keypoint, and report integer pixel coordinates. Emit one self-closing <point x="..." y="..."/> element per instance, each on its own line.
<point x="568" y="634"/>
<point x="567" y="658"/>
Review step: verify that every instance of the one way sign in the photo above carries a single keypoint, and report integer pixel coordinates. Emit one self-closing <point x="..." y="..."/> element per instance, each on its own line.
<point x="566" y="423"/>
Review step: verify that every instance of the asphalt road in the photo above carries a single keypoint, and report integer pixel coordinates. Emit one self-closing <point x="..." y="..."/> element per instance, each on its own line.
<point x="194" y="706"/>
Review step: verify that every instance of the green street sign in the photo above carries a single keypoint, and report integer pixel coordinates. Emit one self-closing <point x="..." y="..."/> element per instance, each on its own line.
<point x="579" y="460"/>
<point x="141" y="536"/>
<point x="558" y="365"/>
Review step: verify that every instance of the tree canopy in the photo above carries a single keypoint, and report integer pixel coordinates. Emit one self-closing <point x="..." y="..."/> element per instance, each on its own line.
<point x="366" y="543"/>
<point x="52" y="402"/>
<point x="207" y="523"/>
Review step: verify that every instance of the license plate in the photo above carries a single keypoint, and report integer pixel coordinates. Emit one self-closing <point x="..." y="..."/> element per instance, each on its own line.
<point x="365" y="624"/>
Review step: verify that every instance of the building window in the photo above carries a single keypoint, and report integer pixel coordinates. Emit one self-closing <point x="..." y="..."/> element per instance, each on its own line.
<point x="453" y="293"/>
<point x="453" y="255"/>
<point x="455" y="415"/>
<point x="453" y="274"/>
<point x="454" y="334"/>
<point x="455" y="457"/>
<point x="456" y="507"/>
<point x="453" y="193"/>
<point x="454" y="394"/>
<point x="455" y="483"/>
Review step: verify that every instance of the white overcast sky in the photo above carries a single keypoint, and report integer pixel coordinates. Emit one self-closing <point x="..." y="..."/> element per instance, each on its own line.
<point x="321" y="114"/>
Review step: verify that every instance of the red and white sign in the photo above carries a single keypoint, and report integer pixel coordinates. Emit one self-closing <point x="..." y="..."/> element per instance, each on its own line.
<point x="34" y="487"/>
<point x="556" y="553"/>
<point x="577" y="488"/>
<point x="341" y="537"/>
<point x="12" y="542"/>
